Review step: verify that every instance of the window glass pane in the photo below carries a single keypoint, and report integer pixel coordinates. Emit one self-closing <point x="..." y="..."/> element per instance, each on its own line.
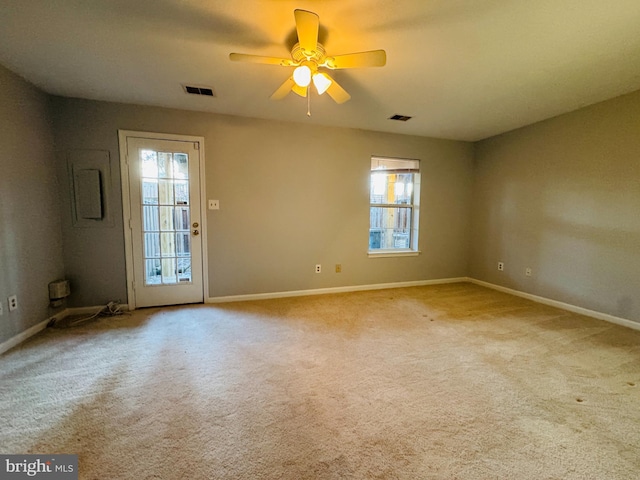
<point x="149" y="164"/>
<point x="181" y="165"/>
<point x="182" y="218"/>
<point x="183" y="249"/>
<point x="168" y="244"/>
<point x="394" y="199"/>
<point x="150" y="219"/>
<point x="149" y="191"/>
<point x="151" y="245"/>
<point x="403" y="188"/>
<point x="153" y="272"/>
<point x="165" y="165"/>
<point x="184" y="269"/>
<point x="166" y="192"/>
<point x="166" y="218"/>
<point x="169" y="270"/>
<point x="390" y="228"/>
<point x="182" y="192"/>
<point x="392" y="188"/>
<point x="378" y="187"/>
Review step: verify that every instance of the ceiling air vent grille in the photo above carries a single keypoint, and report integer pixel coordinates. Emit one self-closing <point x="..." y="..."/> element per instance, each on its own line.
<point x="193" y="90"/>
<point x="400" y="118"/>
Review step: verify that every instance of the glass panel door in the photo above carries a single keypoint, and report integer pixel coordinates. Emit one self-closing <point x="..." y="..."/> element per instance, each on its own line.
<point x="165" y="224"/>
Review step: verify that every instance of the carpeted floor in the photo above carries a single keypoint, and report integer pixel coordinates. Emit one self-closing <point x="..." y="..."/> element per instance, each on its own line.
<point x="441" y="382"/>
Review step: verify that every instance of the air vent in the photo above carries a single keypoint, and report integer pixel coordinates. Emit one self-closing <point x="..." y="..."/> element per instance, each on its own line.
<point x="207" y="91"/>
<point x="400" y="118"/>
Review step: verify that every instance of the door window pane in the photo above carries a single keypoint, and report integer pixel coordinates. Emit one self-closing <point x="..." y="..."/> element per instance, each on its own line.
<point x="166" y="192"/>
<point x="169" y="271"/>
<point x="150" y="219"/>
<point x="149" y="163"/>
<point x="153" y="272"/>
<point x="149" y="191"/>
<point x="167" y="244"/>
<point x="182" y="193"/>
<point x="166" y="217"/>
<point x="165" y="165"/>
<point x="151" y="245"/>
<point x="182" y="218"/>
<point x="181" y="165"/>
<point x="184" y="270"/>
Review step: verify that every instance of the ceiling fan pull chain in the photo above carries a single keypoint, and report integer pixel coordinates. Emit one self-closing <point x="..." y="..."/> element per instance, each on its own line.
<point x="309" y="101"/>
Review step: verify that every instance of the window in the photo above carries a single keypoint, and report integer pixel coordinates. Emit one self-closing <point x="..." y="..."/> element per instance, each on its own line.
<point x="394" y="201"/>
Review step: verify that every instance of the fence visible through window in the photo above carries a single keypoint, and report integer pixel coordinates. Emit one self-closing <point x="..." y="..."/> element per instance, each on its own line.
<point x="166" y="217"/>
<point x="393" y="204"/>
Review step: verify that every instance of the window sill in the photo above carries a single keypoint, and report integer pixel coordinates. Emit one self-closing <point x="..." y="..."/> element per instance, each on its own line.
<point x="393" y="253"/>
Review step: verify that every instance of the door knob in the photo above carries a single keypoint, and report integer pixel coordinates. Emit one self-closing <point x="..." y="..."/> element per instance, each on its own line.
<point x="196" y="232"/>
<point x="195" y="224"/>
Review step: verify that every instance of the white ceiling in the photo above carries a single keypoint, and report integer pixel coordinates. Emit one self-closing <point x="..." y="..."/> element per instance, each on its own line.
<point x="464" y="69"/>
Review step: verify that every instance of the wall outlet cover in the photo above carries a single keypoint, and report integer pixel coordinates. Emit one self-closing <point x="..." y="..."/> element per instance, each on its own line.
<point x="13" y="302"/>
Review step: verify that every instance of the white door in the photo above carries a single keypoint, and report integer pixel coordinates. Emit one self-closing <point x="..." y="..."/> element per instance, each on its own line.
<point x="165" y="221"/>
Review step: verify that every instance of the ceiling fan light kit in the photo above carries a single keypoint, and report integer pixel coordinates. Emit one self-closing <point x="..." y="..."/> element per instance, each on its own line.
<point x="308" y="56"/>
<point x="322" y="82"/>
<point x="302" y="76"/>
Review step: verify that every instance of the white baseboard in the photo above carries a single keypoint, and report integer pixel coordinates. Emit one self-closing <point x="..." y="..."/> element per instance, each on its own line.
<point x="323" y="291"/>
<point x="21" y="337"/>
<point x="30" y="332"/>
<point x="565" y="306"/>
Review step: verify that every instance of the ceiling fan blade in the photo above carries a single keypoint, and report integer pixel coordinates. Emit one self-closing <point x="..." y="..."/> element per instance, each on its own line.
<point x="298" y="90"/>
<point x="243" y="57"/>
<point x="307" y="25"/>
<point x="283" y="90"/>
<point x="373" y="58"/>
<point x="336" y="92"/>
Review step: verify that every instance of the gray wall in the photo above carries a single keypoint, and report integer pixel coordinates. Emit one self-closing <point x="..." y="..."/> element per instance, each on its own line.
<point x="291" y="196"/>
<point x="563" y="197"/>
<point x="30" y="232"/>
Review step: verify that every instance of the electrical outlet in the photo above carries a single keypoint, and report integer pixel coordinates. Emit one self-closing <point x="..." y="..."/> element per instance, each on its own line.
<point x="501" y="266"/>
<point x="214" y="204"/>
<point x="318" y="268"/>
<point x="338" y="268"/>
<point x="527" y="272"/>
<point x="13" y="302"/>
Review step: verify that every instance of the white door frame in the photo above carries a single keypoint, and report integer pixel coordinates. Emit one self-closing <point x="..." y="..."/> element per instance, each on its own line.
<point x="126" y="205"/>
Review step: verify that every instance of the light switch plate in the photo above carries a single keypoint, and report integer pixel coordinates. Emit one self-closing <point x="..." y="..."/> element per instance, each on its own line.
<point x="214" y="204"/>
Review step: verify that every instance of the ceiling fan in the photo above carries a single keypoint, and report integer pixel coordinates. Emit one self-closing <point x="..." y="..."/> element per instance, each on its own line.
<point x="309" y="57"/>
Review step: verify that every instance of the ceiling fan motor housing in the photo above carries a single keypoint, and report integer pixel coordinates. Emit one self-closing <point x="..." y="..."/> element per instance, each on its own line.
<point x="317" y="56"/>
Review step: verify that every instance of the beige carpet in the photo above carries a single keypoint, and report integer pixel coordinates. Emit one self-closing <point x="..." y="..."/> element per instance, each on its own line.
<point x="442" y="382"/>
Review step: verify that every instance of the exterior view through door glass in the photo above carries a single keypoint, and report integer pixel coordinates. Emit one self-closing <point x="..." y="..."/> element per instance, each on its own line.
<point x="165" y="221"/>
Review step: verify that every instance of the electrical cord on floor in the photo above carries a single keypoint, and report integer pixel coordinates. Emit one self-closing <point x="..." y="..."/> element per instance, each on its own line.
<point x="111" y="309"/>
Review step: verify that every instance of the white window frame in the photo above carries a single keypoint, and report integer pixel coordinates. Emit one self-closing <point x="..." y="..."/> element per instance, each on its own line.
<point x="397" y="165"/>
